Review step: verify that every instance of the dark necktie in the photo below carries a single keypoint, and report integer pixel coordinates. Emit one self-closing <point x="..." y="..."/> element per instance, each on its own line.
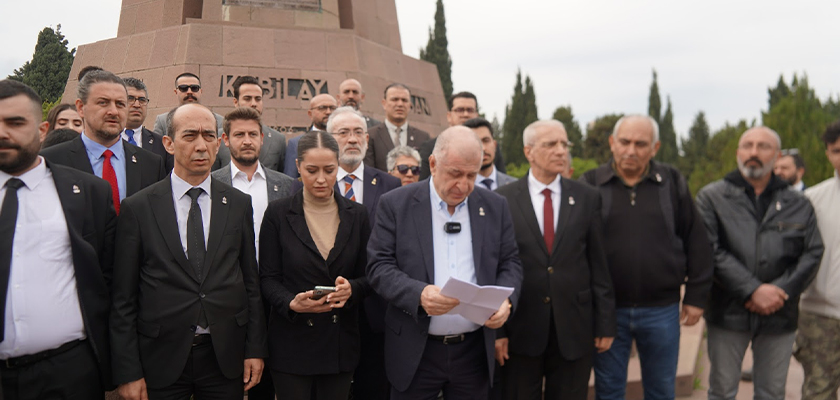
<point x="8" y="219"/>
<point x="196" y="249"/>
<point x="548" y="219"/>
<point x="488" y="182"/>
<point x="130" y="134"/>
<point x="348" y="187"/>
<point x="109" y="175"/>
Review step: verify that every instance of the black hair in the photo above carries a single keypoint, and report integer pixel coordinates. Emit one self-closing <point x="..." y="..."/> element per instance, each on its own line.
<point x="94" y="77"/>
<point x="478" y="122"/>
<point x="316" y="139"/>
<point x="244" y="80"/>
<point x="52" y="116"/>
<point x="58" y="136"/>
<point x="11" y="88"/>
<point x="832" y="133"/>
<point x="183" y="74"/>
<point x="395" y="85"/>
<point x="136" y="84"/>
<point x="87" y="69"/>
<point x="462" y="95"/>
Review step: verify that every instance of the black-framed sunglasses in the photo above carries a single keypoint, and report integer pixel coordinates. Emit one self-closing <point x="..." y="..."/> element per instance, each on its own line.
<point x="193" y="88"/>
<point x="403" y="169"/>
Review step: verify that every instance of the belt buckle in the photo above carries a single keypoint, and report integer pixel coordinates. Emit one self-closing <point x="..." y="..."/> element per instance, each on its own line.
<point x="447" y="338"/>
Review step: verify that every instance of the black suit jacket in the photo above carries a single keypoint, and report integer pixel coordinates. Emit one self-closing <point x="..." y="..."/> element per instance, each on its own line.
<point x="290" y="263"/>
<point x="575" y="276"/>
<point x="380" y="143"/>
<point x="401" y="264"/>
<point x="142" y="167"/>
<point x="153" y="142"/>
<point x="91" y="223"/>
<point x="157" y="296"/>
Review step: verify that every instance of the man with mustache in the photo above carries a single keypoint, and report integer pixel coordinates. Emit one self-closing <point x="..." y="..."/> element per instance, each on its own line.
<point x="767" y="250"/>
<point x="103" y="103"/>
<point x="395" y="131"/>
<point x="134" y="132"/>
<point x="350" y="93"/>
<point x="187" y="90"/>
<point x="639" y="195"/>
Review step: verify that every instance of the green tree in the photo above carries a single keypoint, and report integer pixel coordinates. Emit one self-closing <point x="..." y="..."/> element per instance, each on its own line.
<point x="778" y="93"/>
<point x="719" y="159"/>
<point x="49" y="68"/>
<point x="694" y="146"/>
<point x="521" y="111"/>
<point x="437" y="51"/>
<point x="654" y="101"/>
<point x="596" y="145"/>
<point x="668" y="152"/>
<point x="564" y="114"/>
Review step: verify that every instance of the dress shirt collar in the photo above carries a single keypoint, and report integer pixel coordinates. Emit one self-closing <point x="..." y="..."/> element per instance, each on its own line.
<point x="438" y="204"/>
<point x="493" y="177"/>
<point x="95" y="149"/>
<point x="359" y="172"/>
<point x="180" y="186"/>
<point x="236" y="171"/>
<point x="537" y="186"/>
<point x="391" y="127"/>
<point x="30" y="178"/>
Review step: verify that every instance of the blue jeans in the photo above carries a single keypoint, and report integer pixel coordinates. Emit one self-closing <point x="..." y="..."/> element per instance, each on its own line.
<point x="657" y="334"/>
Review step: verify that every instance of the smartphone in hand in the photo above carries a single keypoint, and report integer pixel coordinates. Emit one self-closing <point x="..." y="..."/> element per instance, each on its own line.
<point x="321" y="291"/>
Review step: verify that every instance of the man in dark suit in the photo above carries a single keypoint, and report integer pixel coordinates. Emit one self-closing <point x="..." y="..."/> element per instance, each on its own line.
<point x="187" y="90"/>
<point x="567" y="303"/>
<point x="350" y="93"/>
<point x="134" y="132"/>
<point x="247" y="92"/>
<point x="320" y="109"/>
<point x="426" y="233"/>
<point x="56" y="254"/>
<point x="103" y="103"/>
<point x="395" y="131"/>
<point x="187" y="315"/>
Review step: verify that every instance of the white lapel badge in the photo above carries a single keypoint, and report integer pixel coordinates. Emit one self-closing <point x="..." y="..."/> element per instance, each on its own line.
<point x="76" y="189"/>
<point x="658" y="178"/>
<point x="276" y="189"/>
<point x="481" y="211"/>
<point x="373" y="182"/>
<point x="134" y="159"/>
<point x="778" y="206"/>
<point x="224" y="200"/>
<point x="269" y="133"/>
<point x="571" y="201"/>
<point x="411" y="138"/>
<point x="152" y="141"/>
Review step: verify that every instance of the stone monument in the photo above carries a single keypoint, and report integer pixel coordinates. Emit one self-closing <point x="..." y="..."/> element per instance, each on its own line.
<point x="296" y="48"/>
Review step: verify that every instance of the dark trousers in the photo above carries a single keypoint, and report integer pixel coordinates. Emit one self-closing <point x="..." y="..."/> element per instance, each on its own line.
<point x="265" y="389"/>
<point x="312" y="387"/>
<point x="369" y="380"/>
<point x="201" y="379"/>
<point x="73" y="374"/>
<point x="459" y="370"/>
<point x="522" y="376"/>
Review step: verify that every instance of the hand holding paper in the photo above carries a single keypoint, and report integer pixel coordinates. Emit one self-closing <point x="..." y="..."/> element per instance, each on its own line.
<point x="478" y="303"/>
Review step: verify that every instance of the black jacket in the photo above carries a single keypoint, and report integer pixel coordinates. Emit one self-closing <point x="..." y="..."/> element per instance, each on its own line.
<point x="782" y="247"/>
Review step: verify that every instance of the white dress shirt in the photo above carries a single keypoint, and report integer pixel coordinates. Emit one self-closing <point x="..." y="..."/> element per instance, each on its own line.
<point x="822" y="296"/>
<point x="392" y="132"/>
<point x="358" y="183"/>
<point x="42" y="304"/>
<point x="479" y="179"/>
<point x="183" y="202"/>
<point x="453" y="255"/>
<point x="535" y="188"/>
<point x="258" y="189"/>
<point x="138" y="136"/>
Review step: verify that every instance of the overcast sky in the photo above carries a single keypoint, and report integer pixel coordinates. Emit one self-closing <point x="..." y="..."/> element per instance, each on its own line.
<point x="716" y="56"/>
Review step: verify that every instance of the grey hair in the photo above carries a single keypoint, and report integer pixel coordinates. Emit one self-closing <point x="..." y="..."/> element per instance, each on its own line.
<point x="770" y="130"/>
<point x="531" y="130"/>
<point x="341" y="111"/>
<point x="401" y="151"/>
<point x="94" y="77"/>
<point x="443" y="144"/>
<point x="653" y="124"/>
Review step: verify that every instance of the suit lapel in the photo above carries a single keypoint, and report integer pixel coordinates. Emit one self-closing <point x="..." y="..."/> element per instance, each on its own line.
<point x="477" y="226"/>
<point x="423" y="218"/>
<point x="371" y="190"/>
<point x="79" y="156"/>
<point x="526" y="207"/>
<point x="164" y="206"/>
<point x="219" y="211"/>
<point x="566" y="204"/>
<point x="72" y="201"/>
<point x="147" y="138"/>
<point x="132" y="169"/>
<point x="297" y="220"/>
<point x="386" y="138"/>
<point x="345" y="226"/>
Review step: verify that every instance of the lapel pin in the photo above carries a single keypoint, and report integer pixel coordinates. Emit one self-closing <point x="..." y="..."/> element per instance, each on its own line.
<point x="269" y="133"/>
<point x="778" y="206"/>
<point x="134" y="159"/>
<point x="481" y="211"/>
<point x="152" y="141"/>
<point x="411" y="138"/>
<point x="276" y="189"/>
<point x="373" y="182"/>
<point x="571" y="201"/>
<point x="76" y="189"/>
<point x="224" y="200"/>
<point x="658" y="178"/>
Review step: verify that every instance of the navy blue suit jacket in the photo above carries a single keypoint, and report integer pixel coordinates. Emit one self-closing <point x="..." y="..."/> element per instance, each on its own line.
<point x="401" y="265"/>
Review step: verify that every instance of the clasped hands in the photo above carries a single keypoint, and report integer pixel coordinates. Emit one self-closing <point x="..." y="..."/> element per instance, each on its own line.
<point x="304" y="303"/>
<point x="767" y="299"/>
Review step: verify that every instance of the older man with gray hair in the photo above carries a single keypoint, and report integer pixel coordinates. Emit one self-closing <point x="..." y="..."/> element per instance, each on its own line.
<point x="767" y="249"/>
<point x="404" y="164"/>
<point x="648" y="270"/>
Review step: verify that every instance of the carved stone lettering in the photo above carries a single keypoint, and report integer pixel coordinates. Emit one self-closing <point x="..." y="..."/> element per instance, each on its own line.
<point x="279" y="88"/>
<point x="305" y="5"/>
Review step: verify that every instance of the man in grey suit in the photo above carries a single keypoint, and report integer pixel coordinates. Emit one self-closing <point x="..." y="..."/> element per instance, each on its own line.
<point x="247" y="92"/>
<point x="244" y="137"/>
<point x="488" y="177"/>
<point x="188" y="90"/>
<point x="395" y="131"/>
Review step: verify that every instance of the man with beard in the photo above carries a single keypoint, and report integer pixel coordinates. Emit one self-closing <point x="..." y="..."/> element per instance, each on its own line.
<point x="137" y="134"/>
<point x="320" y="108"/>
<point x="103" y="103"/>
<point x="790" y="167"/>
<point x="247" y="92"/>
<point x="488" y="177"/>
<point x="648" y="270"/>
<point x="56" y="254"/>
<point x="767" y="249"/>
<point x="187" y="90"/>
<point x="395" y="131"/>
<point x="350" y="93"/>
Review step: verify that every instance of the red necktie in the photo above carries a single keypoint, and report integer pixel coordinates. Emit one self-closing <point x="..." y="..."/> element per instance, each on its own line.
<point x="548" y="219"/>
<point x="109" y="175"/>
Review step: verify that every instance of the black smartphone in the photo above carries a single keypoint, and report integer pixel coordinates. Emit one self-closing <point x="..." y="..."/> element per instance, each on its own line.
<point x="321" y="291"/>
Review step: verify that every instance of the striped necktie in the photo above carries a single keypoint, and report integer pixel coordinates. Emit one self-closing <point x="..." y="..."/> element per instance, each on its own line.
<point x="348" y="187"/>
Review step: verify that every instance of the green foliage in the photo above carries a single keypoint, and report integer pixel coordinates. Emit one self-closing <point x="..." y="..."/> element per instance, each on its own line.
<point x="49" y="68"/>
<point x="521" y="111"/>
<point x="517" y="170"/>
<point x="719" y="157"/>
<point x="668" y="152"/>
<point x="597" y="145"/>
<point x="694" y="146"/>
<point x="564" y="114"/>
<point x="582" y="165"/>
<point x="654" y="101"/>
<point x="47" y="106"/>
<point x="437" y="51"/>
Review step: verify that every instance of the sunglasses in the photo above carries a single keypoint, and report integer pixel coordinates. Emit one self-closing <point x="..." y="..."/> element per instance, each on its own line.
<point x="403" y="169"/>
<point x="193" y="88"/>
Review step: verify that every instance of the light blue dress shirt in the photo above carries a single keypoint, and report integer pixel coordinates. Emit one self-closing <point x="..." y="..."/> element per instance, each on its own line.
<point x="97" y="160"/>
<point x="453" y="254"/>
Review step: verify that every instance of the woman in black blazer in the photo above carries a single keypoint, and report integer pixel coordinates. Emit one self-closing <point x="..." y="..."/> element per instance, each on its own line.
<point x="316" y="237"/>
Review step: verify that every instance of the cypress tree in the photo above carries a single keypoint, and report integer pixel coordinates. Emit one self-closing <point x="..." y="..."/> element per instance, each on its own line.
<point x="565" y="115"/>
<point x="49" y="68"/>
<point x="437" y="51"/>
<point x="668" y="152"/>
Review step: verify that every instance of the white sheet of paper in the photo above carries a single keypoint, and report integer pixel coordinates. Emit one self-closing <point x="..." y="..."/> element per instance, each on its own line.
<point x="478" y="303"/>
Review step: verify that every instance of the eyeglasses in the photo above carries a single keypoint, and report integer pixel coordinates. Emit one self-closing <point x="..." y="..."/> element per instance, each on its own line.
<point x="143" y="100"/>
<point x="403" y="169"/>
<point x="552" y="144"/>
<point x="193" y="88"/>
<point x="762" y="146"/>
<point x="324" y="108"/>
<point x="345" y="132"/>
<point x="790" y="152"/>
<point x="464" y="110"/>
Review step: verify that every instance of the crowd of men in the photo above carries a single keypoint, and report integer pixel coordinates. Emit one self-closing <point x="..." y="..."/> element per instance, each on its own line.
<point x="129" y="257"/>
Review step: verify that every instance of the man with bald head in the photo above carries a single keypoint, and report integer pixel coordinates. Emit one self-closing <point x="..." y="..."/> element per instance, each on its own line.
<point x="767" y="249"/>
<point x="320" y="108"/>
<point x="642" y="195"/>
<point x="425" y="234"/>
<point x="187" y="316"/>
<point x="350" y="93"/>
